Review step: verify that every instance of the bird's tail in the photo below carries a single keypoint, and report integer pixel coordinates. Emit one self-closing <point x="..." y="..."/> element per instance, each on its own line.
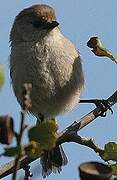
<point x="52" y="161"/>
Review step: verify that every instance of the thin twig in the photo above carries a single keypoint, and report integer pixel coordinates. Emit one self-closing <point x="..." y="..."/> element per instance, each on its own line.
<point x="83" y="141"/>
<point x="70" y="131"/>
<point x="28" y="174"/>
<point x="17" y="163"/>
<point x="25" y="106"/>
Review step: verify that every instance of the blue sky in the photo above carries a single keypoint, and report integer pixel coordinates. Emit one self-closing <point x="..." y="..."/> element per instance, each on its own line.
<point x="79" y="20"/>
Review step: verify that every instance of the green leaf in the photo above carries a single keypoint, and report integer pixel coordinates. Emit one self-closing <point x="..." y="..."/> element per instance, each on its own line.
<point x="33" y="149"/>
<point x="45" y="134"/>
<point x="114" y="167"/>
<point x="1" y="76"/>
<point x="99" y="49"/>
<point x="110" y="152"/>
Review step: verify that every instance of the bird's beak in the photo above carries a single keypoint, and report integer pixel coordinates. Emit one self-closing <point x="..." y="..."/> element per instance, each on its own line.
<point x="51" y="25"/>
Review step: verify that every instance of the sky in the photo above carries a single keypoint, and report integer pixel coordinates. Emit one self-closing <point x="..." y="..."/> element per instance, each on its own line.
<point x="79" y="20"/>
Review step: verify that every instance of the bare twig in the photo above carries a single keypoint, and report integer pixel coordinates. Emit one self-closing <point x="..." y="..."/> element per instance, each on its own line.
<point x="83" y="141"/>
<point x="28" y="174"/>
<point x="17" y="163"/>
<point x="25" y="106"/>
<point x="67" y="135"/>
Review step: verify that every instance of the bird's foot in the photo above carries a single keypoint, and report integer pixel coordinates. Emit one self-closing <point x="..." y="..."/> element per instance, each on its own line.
<point x="103" y="104"/>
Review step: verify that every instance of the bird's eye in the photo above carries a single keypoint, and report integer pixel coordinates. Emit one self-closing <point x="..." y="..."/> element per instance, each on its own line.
<point x="36" y="24"/>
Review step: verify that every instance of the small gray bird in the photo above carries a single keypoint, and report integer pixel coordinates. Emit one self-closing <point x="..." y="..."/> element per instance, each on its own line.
<point x="42" y="56"/>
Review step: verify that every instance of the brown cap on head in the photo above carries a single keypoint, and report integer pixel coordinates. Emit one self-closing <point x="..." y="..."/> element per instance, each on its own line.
<point x="32" y="21"/>
<point x="42" y="11"/>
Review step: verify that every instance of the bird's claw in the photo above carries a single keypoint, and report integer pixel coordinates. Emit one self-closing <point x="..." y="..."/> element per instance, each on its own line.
<point x="104" y="105"/>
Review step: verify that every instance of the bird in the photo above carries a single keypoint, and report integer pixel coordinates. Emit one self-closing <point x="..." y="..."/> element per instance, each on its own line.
<point x="43" y="56"/>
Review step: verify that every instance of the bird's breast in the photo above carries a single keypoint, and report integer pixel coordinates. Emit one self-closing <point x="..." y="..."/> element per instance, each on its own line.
<point x="55" y="74"/>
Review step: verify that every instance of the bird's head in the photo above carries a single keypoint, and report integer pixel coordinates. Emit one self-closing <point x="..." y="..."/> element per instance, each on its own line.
<point x="33" y="23"/>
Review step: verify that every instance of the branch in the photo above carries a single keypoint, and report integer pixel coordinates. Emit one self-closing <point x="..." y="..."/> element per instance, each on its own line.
<point x="67" y="135"/>
<point x="84" y="121"/>
<point x="83" y="141"/>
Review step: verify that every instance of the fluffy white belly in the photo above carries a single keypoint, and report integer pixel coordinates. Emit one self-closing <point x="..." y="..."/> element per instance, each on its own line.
<point x="56" y="78"/>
